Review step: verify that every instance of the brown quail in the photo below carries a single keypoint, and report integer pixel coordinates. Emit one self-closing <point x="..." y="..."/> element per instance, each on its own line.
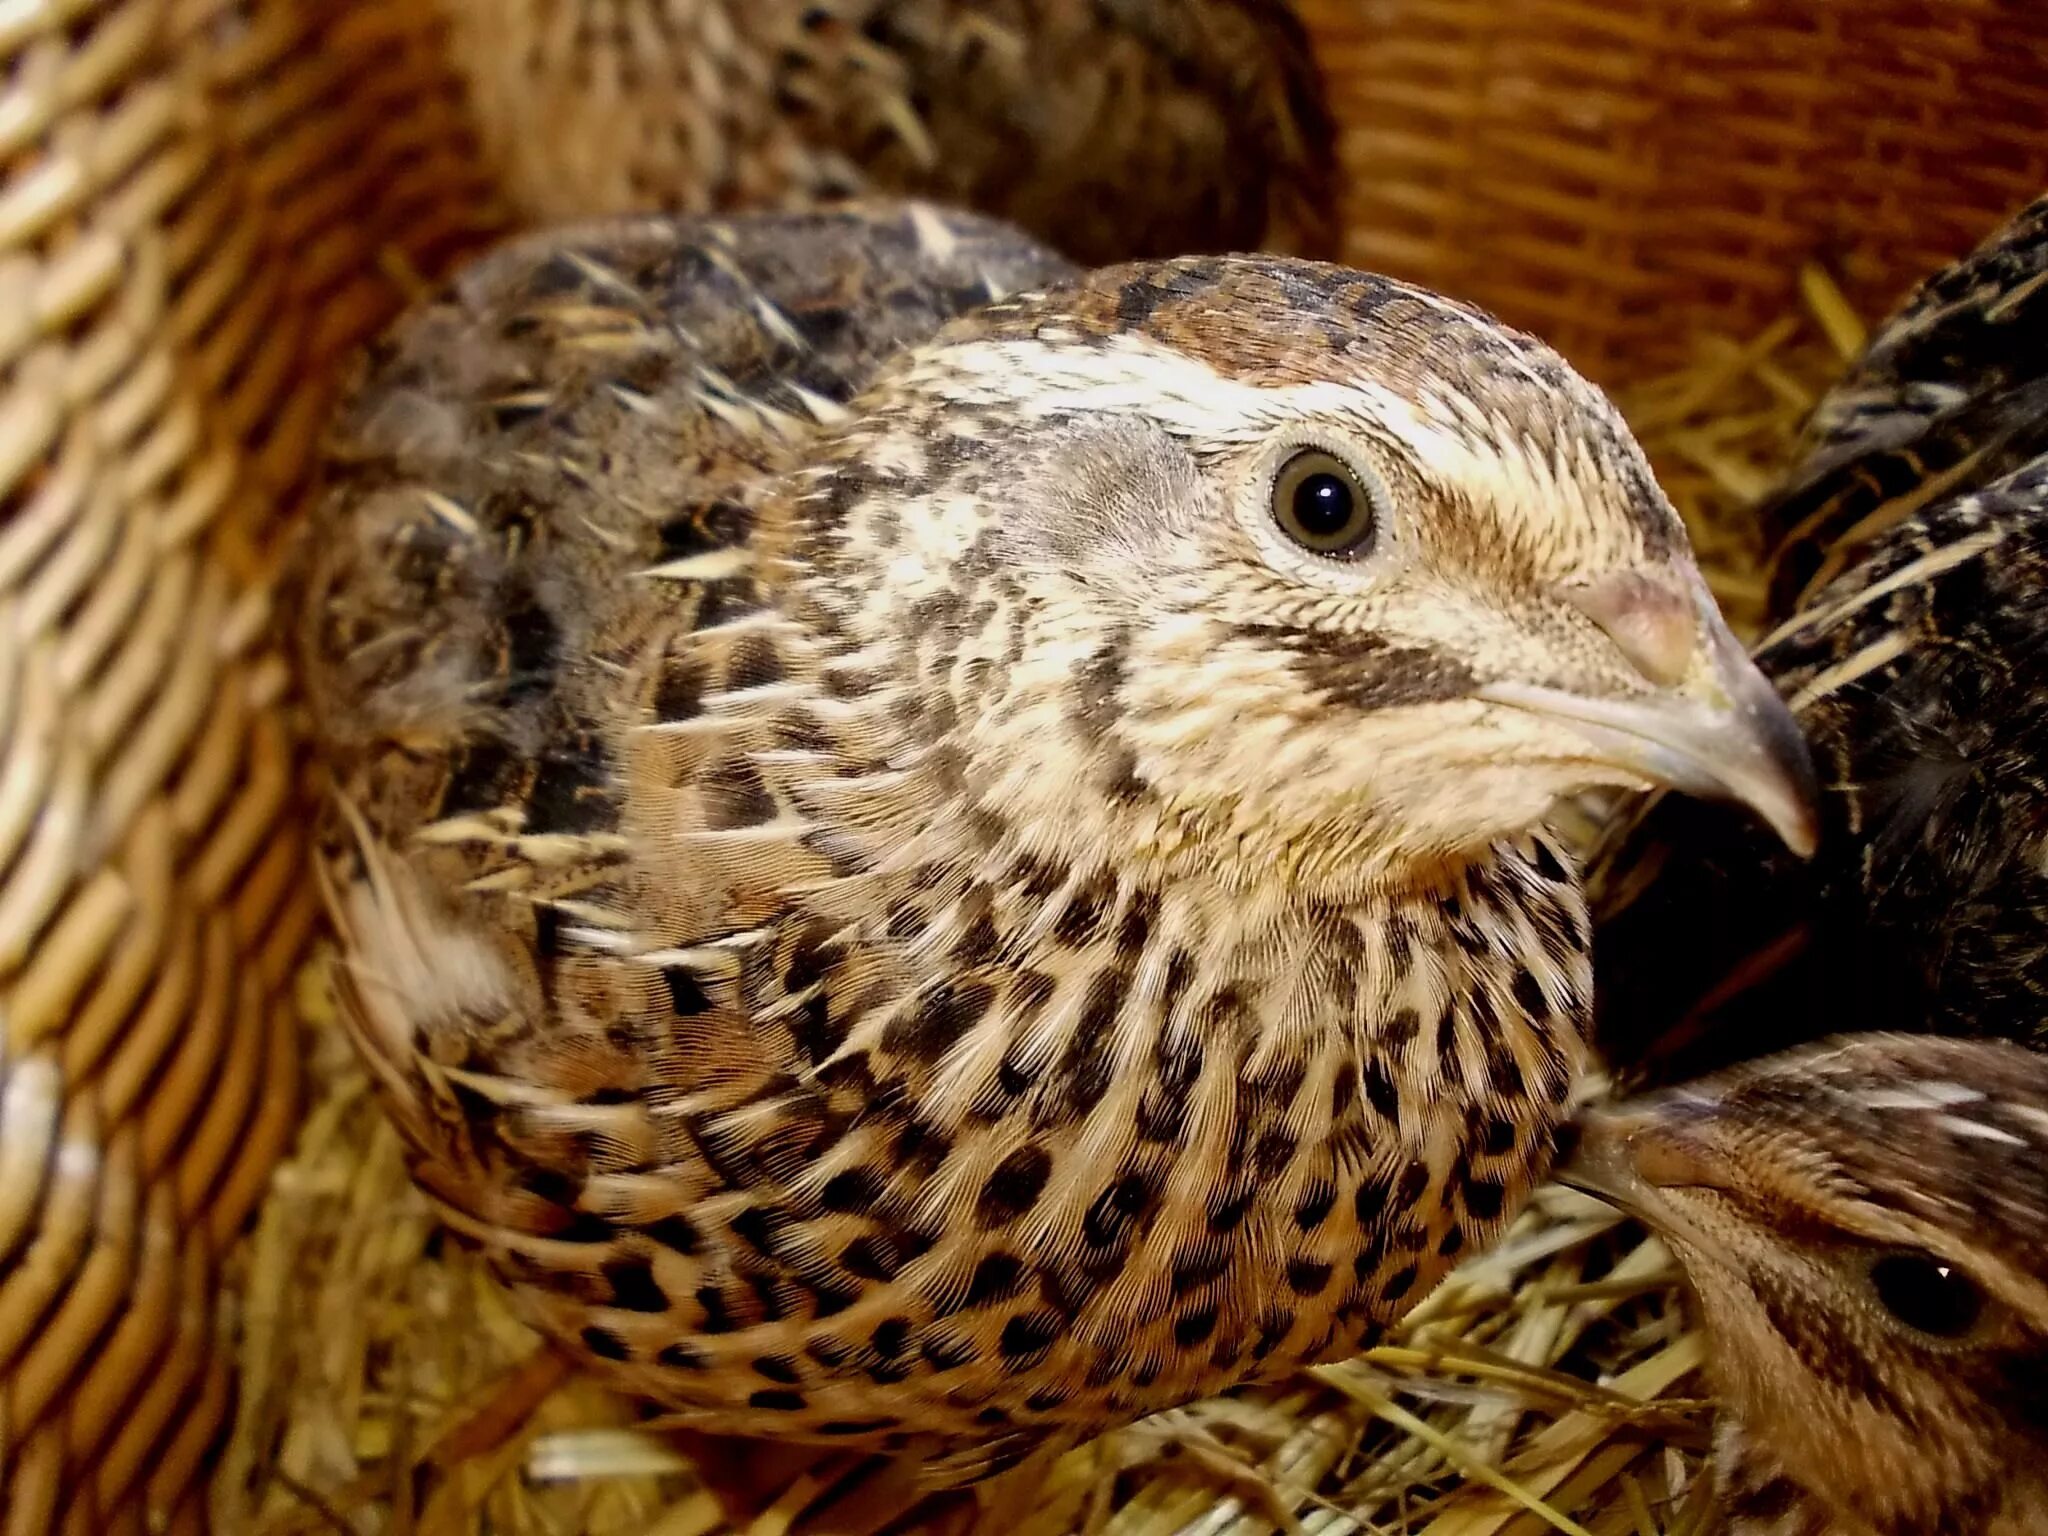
<point x="1918" y="668"/>
<point x="1110" y="128"/>
<point x="936" y="852"/>
<point x="1865" y="1225"/>
<point x="1950" y="394"/>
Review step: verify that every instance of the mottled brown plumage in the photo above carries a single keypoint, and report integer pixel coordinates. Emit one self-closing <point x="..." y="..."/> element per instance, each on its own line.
<point x="1110" y="128"/>
<point x="1865" y="1223"/>
<point x="903" y="887"/>
<point x="1950" y="395"/>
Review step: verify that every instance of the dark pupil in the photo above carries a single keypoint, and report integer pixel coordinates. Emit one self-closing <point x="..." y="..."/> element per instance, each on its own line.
<point x="1927" y="1294"/>
<point x="1322" y="506"/>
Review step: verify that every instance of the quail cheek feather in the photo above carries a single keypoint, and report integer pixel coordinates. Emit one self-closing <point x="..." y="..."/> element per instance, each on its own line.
<point x="884" y="882"/>
<point x="1865" y="1223"/>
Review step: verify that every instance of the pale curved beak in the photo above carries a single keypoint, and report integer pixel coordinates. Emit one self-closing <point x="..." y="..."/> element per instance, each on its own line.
<point x="1725" y="734"/>
<point x="1597" y="1163"/>
<point x="1630" y="1153"/>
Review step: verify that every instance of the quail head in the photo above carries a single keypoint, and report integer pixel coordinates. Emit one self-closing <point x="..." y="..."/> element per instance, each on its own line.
<point x="936" y="852"/>
<point x="1918" y="669"/>
<point x="1865" y="1225"/>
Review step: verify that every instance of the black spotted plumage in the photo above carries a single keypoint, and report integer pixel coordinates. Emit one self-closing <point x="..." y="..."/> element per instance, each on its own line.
<point x="1919" y="671"/>
<point x="863" y="880"/>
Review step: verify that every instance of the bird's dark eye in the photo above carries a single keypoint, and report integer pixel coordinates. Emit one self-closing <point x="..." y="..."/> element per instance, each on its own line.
<point x="1319" y="502"/>
<point x="1927" y="1293"/>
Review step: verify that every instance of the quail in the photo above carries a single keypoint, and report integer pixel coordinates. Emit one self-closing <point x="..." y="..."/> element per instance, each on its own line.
<point x="937" y="852"/>
<point x="1912" y="644"/>
<point x="1864" y="1222"/>
<point x="1949" y="395"/>
<point x="1110" y="129"/>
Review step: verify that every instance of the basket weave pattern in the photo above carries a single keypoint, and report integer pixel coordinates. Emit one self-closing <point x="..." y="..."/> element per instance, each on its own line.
<point x="192" y="198"/>
<point x="1620" y="175"/>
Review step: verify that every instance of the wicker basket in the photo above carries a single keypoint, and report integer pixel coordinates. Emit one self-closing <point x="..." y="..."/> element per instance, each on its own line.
<point x="1619" y="174"/>
<point x="207" y="203"/>
<point x="195" y="202"/>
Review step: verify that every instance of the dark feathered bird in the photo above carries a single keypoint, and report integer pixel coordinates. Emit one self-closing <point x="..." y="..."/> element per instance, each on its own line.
<point x="1865" y="1225"/>
<point x="1919" y="671"/>
<point x="1950" y="394"/>
<point x="1110" y="128"/>
<point x="936" y="868"/>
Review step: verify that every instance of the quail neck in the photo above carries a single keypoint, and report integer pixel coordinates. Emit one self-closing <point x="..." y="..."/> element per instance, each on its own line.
<point x="1865" y="1224"/>
<point x="937" y="852"/>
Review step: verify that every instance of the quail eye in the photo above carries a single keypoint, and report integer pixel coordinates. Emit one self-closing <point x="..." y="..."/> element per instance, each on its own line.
<point x="1320" y="503"/>
<point x="1927" y="1294"/>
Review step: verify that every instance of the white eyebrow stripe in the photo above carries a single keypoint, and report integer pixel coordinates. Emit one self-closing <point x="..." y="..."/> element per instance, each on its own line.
<point x="1453" y="439"/>
<point x="1137" y="373"/>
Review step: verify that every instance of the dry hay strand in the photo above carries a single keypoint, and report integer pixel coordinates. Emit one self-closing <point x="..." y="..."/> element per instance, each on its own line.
<point x="1551" y="1385"/>
<point x="1722" y="430"/>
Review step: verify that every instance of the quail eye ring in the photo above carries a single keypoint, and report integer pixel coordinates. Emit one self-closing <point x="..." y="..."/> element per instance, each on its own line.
<point x="1325" y="506"/>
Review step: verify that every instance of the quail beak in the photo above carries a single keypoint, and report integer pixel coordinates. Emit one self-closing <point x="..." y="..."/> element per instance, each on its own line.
<point x="1598" y="1164"/>
<point x="1713" y="726"/>
<point x="1628" y="1157"/>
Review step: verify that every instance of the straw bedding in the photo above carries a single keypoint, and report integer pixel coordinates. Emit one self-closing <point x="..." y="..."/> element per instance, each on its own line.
<point x="1551" y="1385"/>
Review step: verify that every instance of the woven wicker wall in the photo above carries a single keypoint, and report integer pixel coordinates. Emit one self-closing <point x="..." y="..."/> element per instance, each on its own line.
<point x="1620" y="174"/>
<point x="192" y="198"/>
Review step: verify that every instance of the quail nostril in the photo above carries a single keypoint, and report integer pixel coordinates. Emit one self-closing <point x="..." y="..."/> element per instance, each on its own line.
<point x="1649" y="619"/>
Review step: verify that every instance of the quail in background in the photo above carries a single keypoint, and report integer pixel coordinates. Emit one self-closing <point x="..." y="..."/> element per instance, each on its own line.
<point x="1950" y="394"/>
<point x="936" y="853"/>
<point x="1913" y="570"/>
<point x="1865" y="1225"/>
<point x="1110" y="129"/>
